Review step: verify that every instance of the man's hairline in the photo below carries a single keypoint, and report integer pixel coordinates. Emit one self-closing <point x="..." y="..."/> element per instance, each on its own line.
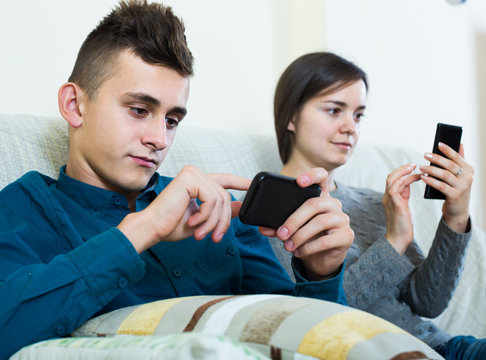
<point x="115" y="67"/>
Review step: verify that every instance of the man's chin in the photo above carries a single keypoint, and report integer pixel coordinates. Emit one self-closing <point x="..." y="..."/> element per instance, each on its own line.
<point x="136" y="184"/>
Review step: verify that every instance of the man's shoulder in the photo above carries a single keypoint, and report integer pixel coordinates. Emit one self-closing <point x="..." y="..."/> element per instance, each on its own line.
<point x="32" y="181"/>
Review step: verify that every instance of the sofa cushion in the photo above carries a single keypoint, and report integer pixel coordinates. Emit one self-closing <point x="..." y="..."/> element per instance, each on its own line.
<point x="189" y="346"/>
<point x="278" y="326"/>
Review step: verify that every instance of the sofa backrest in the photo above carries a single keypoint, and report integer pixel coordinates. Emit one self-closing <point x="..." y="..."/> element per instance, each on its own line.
<point x="41" y="143"/>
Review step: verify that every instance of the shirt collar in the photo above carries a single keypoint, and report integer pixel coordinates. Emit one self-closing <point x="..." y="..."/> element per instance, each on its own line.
<point x="92" y="197"/>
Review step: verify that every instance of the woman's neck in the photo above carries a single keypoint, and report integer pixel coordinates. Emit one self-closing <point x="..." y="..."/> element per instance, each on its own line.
<point x="296" y="169"/>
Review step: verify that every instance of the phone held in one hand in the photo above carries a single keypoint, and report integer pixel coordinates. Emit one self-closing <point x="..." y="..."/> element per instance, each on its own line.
<point x="272" y="198"/>
<point x="449" y="135"/>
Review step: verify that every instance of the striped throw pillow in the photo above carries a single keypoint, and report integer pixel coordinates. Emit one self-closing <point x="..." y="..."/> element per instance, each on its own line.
<point x="280" y="327"/>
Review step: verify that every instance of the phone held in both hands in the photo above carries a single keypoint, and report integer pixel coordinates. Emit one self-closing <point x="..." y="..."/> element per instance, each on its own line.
<point x="272" y="198"/>
<point x="449" y="135"/>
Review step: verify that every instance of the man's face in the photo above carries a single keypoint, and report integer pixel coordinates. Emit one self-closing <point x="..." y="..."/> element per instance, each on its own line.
<point x="127" y="128"/>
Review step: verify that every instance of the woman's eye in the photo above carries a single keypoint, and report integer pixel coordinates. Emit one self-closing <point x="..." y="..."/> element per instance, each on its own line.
<point x="171" y="122"/>
<point x="139" y="111"/>
<point x="333" y="111"/>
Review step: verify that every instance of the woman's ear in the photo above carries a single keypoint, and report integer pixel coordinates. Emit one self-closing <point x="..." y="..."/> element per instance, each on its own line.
<point x="291" y="124"/>
<point x="69" y="99"/>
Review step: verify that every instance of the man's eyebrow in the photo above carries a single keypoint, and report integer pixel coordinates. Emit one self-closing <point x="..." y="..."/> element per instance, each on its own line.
<point x="145" y="98"/>
<point x="182" y="111"/>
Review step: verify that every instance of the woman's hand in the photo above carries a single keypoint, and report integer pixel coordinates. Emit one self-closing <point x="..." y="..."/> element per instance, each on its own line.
<point x="453" y="178"/>
<point x="399" y="227"/>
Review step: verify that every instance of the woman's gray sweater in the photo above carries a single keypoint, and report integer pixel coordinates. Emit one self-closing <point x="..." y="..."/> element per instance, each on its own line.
<point x="398" y="288"/>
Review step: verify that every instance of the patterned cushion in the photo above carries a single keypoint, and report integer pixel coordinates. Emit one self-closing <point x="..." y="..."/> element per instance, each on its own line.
<point x="280" y="327"/>
<point x="167" y="347"/>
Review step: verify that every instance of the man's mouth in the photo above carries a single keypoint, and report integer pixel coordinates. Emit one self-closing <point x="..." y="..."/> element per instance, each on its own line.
<point x="144" y="161"/>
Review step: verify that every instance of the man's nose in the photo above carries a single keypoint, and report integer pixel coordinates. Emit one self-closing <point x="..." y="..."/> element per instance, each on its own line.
<point x="156" y="134"/>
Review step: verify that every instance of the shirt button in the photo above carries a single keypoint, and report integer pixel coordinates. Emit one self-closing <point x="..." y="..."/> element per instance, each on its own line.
<point x="177" y="272"/>
<point x="96" y="214"/>
<point x="61" y="331"/>
<point x="117" y="201"/>
<point x="122" y="282"/>
<point x="231" y="251"/>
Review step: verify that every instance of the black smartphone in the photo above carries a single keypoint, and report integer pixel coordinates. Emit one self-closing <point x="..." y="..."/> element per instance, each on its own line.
<point x="449" y="135"/>
<point x="272" y="198"/>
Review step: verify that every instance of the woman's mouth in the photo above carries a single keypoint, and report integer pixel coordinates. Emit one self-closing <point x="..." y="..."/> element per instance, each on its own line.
<point x="345" y="146"/>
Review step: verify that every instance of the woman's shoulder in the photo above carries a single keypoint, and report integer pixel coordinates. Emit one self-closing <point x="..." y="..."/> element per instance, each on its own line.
<point x="347" y="193"/>
<point x="360" y="203"/>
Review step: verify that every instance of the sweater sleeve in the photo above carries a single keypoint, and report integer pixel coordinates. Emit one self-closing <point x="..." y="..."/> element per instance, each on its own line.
<point x="47" y="299"/>
<point x="430" y="287"/>
<point x="373" y="273"/>
<point x="373" y="267"/>
<point x="425" y="284"/>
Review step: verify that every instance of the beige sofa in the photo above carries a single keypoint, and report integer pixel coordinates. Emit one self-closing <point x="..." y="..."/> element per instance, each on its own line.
<point x="40" y="143"/>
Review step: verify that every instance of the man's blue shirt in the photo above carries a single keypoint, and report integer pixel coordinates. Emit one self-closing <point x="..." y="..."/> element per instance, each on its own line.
<point x="62" y="260"/>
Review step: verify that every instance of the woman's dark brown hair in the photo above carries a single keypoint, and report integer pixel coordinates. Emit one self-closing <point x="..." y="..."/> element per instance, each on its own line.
<point x="310" y="75"/>
<point x="150" y="31"/>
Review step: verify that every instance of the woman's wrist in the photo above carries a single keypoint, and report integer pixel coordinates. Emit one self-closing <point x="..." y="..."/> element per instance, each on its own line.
<point x="458" y="223"/>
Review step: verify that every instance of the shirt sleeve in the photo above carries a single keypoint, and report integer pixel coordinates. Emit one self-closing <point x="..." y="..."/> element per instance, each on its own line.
<point x="330" y="289"/>
<point x="263" y="273"/>
<point x="46" y="299"/>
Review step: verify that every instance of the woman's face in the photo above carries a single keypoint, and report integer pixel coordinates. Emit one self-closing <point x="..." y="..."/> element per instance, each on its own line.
<point x="327" y="128"/>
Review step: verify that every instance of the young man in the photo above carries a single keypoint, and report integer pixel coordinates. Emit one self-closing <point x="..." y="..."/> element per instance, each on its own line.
<point x="110" y="232"/>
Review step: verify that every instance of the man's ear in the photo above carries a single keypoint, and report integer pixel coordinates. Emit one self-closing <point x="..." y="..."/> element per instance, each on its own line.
<point x="69" y="99"/>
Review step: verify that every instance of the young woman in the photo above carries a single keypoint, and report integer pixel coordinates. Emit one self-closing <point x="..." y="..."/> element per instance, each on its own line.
<point x="319" y="104"/>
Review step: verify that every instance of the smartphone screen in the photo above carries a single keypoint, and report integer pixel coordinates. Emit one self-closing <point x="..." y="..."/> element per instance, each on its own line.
<point x="450" y="135"/>
<point x="272" y="198"/>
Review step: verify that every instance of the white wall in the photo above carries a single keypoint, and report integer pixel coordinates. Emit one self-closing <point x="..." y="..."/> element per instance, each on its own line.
<point x="421" y="58"/>
<point x="238" y="53"/>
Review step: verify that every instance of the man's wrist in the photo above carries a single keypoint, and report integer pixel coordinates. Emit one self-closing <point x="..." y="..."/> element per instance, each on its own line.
<point x="138" y="231"/>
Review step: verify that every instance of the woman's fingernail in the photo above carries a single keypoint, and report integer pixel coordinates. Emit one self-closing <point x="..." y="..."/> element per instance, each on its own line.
<point x="428" y="155"/>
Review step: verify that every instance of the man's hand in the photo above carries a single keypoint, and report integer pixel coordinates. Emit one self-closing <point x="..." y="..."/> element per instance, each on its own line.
<point x="318" y="232"/>
<point x="454" y="179"/>
<point x="399" y="227"/>
<point x="174" y="215"/>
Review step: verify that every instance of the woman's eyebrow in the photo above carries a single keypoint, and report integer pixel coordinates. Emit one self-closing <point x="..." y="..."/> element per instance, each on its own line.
<point x="339" y="103"/>
<point x="343" y="104"/>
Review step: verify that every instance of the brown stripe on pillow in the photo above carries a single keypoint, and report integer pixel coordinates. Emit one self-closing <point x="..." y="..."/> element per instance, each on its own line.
<point x="200" y="312"/>
<point x="411" y="355"/>
<point x="275" y="353"/>
<point x="265" y="320"/>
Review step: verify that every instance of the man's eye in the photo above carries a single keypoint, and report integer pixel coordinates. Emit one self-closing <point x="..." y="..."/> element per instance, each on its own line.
<point x="139" y="111"/>
<point x="171" y="122"/>
<point x="359" y="117"/>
